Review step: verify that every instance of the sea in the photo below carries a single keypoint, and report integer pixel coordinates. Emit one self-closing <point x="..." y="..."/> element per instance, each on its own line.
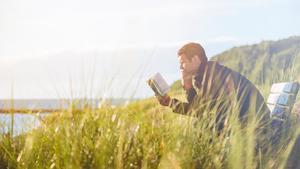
<point x="20" y="123"/>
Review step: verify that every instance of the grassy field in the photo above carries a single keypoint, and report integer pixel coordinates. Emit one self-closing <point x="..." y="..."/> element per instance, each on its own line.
<point x="139" y="135"/>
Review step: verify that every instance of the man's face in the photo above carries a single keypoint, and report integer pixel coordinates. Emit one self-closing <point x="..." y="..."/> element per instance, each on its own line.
<point x="188" y="67"/>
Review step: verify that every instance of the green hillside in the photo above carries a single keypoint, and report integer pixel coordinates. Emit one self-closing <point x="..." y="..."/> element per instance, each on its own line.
<point x="263" y="63"/>
<point x="266" y="62"/>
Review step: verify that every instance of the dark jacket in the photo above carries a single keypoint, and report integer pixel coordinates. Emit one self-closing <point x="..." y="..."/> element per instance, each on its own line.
<point x="218" y="88"/>
<point x="215" y="83"/>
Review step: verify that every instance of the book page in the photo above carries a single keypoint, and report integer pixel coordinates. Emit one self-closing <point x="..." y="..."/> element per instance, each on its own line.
<point x="159" y="84"/>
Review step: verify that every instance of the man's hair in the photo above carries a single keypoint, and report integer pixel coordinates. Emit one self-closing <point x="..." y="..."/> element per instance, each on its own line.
<point x="191" y="49"/>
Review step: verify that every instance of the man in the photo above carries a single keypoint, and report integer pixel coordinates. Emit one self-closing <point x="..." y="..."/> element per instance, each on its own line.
<point x="210" y="86"/>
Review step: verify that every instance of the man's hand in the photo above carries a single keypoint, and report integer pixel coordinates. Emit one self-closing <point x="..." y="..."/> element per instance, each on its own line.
<point x="186" y="80"/>
<point x="189" y="68"/>
<point x="164" y="100"/>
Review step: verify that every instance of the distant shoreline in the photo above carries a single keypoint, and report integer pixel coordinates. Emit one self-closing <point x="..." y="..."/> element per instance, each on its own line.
<point x="27" y="106"/>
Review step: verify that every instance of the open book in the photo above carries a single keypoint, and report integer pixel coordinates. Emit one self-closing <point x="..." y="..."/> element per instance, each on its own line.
<point x="158" y="84"/>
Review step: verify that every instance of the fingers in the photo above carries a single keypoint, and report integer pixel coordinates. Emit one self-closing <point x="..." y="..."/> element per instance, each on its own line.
<point x="163" y="100"/>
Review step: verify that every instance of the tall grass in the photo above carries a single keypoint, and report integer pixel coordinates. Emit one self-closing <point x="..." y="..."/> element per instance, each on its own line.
<point x="140" y="135"/>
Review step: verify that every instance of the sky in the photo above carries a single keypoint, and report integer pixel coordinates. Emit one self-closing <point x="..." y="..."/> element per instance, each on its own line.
<point x="74" y="48"/>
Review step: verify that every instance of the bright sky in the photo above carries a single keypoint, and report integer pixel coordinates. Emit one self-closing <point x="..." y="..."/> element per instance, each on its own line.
<point x="41" y="39"/>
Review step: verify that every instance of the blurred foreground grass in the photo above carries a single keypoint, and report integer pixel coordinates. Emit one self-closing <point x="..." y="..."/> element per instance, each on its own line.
<point x="139" y="135"/>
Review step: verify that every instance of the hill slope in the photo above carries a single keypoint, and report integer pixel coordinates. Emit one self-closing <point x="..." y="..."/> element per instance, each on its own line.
<point x="261" y="62"/>
<point x="264" y="63"/>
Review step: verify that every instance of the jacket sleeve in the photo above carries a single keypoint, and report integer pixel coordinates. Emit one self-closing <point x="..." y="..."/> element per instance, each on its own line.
<point x="183" y="107"/>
